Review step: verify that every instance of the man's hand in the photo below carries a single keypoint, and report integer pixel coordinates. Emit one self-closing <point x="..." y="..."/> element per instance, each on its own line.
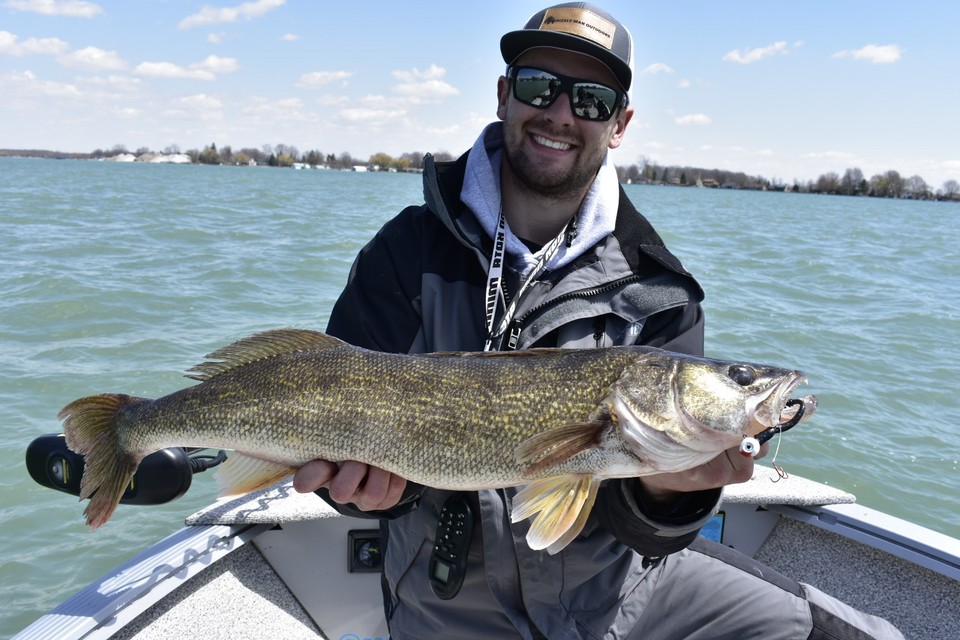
<point x="369" y="488"/>
<point x="375" y="489"/>
<point x="730" y="467"/>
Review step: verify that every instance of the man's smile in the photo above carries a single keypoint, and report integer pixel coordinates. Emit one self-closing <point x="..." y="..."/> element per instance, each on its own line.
<point x="552" y="144"/>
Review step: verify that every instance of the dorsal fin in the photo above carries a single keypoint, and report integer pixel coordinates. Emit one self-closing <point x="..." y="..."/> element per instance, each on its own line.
<point x="262" y="345"/>
<point x="523" y="353"/>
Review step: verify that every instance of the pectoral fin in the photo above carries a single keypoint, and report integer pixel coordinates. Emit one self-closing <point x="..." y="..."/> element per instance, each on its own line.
<point x="558" y="444"/>
<point x="561" y="505"/>
<point x="242" y="473"/>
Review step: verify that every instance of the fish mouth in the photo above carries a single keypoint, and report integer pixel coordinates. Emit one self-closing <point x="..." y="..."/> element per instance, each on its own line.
<point x="798" y="410"/>
<point x="774" y="406"/>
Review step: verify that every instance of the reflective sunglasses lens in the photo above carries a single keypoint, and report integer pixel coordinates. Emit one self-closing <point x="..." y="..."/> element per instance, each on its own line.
<point x="536" y="88"/>
<point x="593" y="101"/>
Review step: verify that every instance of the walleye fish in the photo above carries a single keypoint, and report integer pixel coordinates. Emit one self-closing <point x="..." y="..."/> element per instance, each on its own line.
<point x="556" y="420"/>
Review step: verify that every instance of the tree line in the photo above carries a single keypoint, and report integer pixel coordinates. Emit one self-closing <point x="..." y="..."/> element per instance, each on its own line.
<point x="280" y="155"/>
<point x="852" y="183"/>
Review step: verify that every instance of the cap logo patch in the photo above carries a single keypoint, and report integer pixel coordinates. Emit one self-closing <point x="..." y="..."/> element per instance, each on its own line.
<point x="580" y="22"/>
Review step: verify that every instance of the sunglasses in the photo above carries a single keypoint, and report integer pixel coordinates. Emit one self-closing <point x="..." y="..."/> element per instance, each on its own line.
<point x="588" y="100"/>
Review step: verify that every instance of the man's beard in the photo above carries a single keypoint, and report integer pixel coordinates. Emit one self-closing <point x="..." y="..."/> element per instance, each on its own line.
<point x="557" y="184"/>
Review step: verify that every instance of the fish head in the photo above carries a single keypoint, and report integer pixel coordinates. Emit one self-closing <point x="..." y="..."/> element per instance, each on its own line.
<point x="669" y="405"/>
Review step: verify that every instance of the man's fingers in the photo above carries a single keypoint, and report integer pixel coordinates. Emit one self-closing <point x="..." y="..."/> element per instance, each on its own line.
<point x="370" y="488"/>
<point x="381" y="490"/>
<point x="345" y="485"/>
<point x="313" y="475"/>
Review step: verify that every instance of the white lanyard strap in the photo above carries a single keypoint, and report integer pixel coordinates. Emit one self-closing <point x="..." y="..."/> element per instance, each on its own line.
<point x="495" y="279"/>
<point x="495" y="276"/>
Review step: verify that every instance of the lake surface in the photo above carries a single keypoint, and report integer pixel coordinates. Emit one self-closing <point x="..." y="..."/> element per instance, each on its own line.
<point x="120" y="277"/>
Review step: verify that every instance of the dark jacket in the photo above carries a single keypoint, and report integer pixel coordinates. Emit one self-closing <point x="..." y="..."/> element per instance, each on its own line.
<point x="419" y="286"/>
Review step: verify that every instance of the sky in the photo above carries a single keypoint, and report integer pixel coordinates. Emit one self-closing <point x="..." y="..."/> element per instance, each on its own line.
<point x="786" y="90"/>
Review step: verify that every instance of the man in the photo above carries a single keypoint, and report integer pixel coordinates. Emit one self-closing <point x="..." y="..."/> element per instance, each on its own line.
<point x="528" y="240"/>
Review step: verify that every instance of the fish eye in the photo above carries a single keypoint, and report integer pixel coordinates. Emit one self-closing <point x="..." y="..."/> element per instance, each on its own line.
<point x="742" y="374"/>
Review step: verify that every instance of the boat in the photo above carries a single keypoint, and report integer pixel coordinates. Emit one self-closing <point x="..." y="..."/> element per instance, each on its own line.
<point x="281" y="564"/>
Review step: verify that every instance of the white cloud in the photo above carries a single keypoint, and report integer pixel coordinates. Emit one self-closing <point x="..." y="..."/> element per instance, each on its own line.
<point x="886" y="54"/>
<point x="377" y="99"/>
<point x="27" y="85"/>
<point x="289" y="37"/>
<point x="93" y="59"/>
<point x="657" y="67"/>
<point x="332" y="101"/>
<point x="171" y="70"/>
<point x="215" y="38"/>
<point x="69" y="8"/>
<point x="415" y="75"/>
<point x="216" y="64"/>
<point x="127" y="113"/>
<point x="424" y="86"/>
<point x="218" y="15"/>
<point x="51" y="46"/>
<point x="320" y="78"/>
<point x="285" y="109"/>
<point x="123" y="83"/>
<point x="206" y="69"/>
<point x="693" y="119"/>
<point x="380" y="102"/>
<point x="683" y="84"/>
<point x="201" y="102"/>
<point x="426" y="91"/>
<point x="753" y="55"/>
<point x="371" y="117"/>
<point x="200" y="107"/>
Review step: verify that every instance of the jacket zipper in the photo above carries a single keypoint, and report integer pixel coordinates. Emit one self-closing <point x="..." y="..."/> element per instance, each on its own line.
<point x="517" y="325"/>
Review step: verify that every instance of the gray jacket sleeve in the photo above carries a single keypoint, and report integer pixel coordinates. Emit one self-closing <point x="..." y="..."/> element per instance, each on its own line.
<point x="653" y="531"/>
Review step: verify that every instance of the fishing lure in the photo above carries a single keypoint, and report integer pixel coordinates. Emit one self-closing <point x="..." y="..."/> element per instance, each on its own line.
<point x="750" y="447"/>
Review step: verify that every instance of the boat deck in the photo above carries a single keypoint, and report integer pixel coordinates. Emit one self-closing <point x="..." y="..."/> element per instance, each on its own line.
<point x="274" y="564"/>
<point x="241" y="596"/>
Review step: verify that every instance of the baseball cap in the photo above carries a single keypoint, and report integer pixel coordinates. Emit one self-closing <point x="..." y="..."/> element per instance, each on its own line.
<point x="580" y="27"/>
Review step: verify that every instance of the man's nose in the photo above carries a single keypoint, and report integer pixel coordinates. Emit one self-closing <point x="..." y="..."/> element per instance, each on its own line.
<point x="561" y="109"/>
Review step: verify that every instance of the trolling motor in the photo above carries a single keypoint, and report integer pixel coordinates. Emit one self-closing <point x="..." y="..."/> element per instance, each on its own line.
<point x="163" y="476"/>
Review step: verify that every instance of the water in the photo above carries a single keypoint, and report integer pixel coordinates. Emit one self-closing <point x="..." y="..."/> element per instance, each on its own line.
<point x="119" y="277"/>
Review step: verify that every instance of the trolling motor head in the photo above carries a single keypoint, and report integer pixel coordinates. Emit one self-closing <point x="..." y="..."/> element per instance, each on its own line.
<point x="162" y="476"/>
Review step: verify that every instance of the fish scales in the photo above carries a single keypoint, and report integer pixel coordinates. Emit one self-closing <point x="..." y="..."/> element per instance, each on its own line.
<point x="557" y="421"/>
<point x="448" y="421"/>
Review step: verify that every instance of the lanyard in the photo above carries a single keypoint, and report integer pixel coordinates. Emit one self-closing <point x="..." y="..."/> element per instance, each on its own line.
<point x="495" y="280"/>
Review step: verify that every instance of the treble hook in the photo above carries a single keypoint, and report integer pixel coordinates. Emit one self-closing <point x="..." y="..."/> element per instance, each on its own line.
<point x="782" y="475"/>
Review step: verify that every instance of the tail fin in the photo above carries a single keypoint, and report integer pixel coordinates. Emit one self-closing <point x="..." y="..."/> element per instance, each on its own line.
<point x="90" y="426"/>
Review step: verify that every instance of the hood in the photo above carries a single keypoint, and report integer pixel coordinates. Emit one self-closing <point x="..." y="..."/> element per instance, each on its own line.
<point x="481" y="193"/>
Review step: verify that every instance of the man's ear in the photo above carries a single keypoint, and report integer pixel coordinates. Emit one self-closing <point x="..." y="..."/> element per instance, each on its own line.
<point x="620" y="129"/>
<point x="503" y="95"/>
